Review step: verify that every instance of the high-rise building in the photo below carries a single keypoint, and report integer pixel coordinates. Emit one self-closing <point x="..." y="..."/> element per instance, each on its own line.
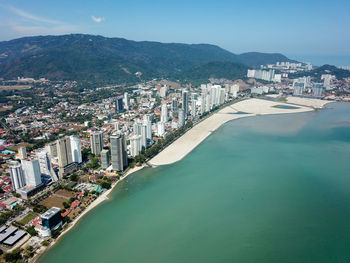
<point x="174" y="105"/>
<point x="64" y="152"/>
<point x="317" y="90"/>
<point x="119" y="107"/>
<point x="147" y="121"/>
<point x="163" y="91"/>
<point x="96" y="141"/>
<point x="135" y="145"/>
<point x="164" y="113"/>
<point x="76" y="149"/>
<point x="126" y="101"/>
<point x="181" y="118"/>
<point x="161" y="128"/>
<point x="193" y="108"/>
<point x="116" y="125"/>
<point x="185" y="102"/>
<point x="105" y="159"/>
<point x="45" y="164"/>
<point x="203" y="101"/>
<point x="208" y="103"/>
<point x="31" y="171"/>
<point x="17" y="176"/>
<point x="222" y="96"/>
<point x="52" y="218"/>
<point x="22" y="152"/>
<point x="234" y="89"/>
<point x="118" y="151"/>
<point x="144" y="136"/>
<point x="51" y="148"/>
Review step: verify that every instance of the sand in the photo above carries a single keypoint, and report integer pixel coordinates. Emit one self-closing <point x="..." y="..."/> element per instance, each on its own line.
<point x="192" y="138"/>
<point x="314" y="103"/>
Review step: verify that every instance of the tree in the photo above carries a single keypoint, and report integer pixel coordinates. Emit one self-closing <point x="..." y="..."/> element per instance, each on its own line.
<point x="31" y="231"/>
<point x="66" y="205"/>
<point x="13" y="256"/>
<point x="45" y="243"/>
<point x="106" y="185"/>
<point x="74" y="177"/>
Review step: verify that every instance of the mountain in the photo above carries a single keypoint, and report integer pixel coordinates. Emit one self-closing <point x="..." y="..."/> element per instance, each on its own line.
<point x="203" y="72"/>
<point x="101" y="59"/>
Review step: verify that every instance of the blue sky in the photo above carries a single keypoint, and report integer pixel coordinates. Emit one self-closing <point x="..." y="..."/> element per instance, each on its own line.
<point x="289" y="27"/>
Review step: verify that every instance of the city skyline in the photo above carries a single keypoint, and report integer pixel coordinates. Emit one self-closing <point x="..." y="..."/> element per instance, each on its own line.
<point x="277" y="26"/>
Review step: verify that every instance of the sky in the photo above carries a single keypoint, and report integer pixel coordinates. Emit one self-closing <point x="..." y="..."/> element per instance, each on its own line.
<point x="307" y="27"/>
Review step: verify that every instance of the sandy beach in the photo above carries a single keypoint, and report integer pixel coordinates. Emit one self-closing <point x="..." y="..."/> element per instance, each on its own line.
<point x="251" y="107"/>
<point x="192" y="138"/>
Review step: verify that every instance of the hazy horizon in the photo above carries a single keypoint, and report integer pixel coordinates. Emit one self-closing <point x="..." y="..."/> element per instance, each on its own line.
<point x="312" y="27"/>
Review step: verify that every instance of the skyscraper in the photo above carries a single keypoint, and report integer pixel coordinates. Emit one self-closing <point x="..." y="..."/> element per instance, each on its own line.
<point x="96" y="141"/>
<point x="118" y="151"/>
<point x="126" y="101"/>
<point x="135" y="145"/>
<point x="119" y="105"/>
<point x="181" y="118"/>
<point x="161" y="128"/>
<point x="31" y="171"/>
<point x="174" y="105"/>
<point x="17" y="176"/>
<point x="45" y="165"/>
<point x="147" y="121"/>
<point x="105" y="159"/>
<point x="64" y="152"/>
<point x="164" y="113"/>
<point x="76" y="149"/>
<point x="22" y="152"/>
<point x="185" y="102"/>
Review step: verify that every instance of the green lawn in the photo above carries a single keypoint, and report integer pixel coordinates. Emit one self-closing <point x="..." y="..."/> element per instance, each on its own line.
<point x="28" y="218"/>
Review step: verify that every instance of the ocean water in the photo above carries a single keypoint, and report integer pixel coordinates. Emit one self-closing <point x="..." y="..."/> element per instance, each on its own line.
<point x="260" y="189"/>
<point x="319" y="60"/>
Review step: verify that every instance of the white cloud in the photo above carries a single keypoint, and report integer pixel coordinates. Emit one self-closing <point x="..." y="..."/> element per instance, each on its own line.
<point x="97" y="19"/>
<point x="32" y="17"/>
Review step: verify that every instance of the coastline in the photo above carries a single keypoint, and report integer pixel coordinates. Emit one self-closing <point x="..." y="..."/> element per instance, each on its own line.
<point x="103" y="197"/>
<point x="195" y="136"/>
<point x="246" y="108"/>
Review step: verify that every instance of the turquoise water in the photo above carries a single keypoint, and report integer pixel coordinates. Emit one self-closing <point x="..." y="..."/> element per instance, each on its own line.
<point x="260" y="189"/>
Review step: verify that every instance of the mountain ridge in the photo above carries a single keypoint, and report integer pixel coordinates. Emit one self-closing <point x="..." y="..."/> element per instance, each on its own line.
<point x="102" y="59"/>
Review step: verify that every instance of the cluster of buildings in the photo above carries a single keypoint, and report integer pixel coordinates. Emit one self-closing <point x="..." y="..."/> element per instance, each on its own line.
<point x="31" y="174"/>
<point x="267" y="75"/>
<point x="289" y="67"/>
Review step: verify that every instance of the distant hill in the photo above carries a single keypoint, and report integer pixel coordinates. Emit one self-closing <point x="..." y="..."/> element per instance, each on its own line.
<point x="227" y="70"/>
<point x="101" y="59"/>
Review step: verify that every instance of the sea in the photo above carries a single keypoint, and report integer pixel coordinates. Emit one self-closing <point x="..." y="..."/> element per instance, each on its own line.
<point x="319" y="60"/>
<point x="273" y="188"/>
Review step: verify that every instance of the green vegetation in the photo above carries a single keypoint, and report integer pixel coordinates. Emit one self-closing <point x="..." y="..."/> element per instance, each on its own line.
<point x="13" y="256"/>
<point x="202" y="73"/>
<point x="4" y="216"/>
<point x="31" y="231"/>
<point x="27" y="218"/>
<point x="95" y="59"/>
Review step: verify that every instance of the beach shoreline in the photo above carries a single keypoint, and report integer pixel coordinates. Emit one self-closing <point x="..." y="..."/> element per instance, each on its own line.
<point x="186" y="143"/>
<point x="100" y="199"/>
<point x="246" y="108"/>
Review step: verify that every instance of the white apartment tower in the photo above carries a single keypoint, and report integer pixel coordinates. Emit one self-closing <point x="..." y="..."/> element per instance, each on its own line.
<point x="32" y="173"/>
<point x="96" y="142"/>
<point x="17" y="176"/>
<point x="76" y="149"/>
